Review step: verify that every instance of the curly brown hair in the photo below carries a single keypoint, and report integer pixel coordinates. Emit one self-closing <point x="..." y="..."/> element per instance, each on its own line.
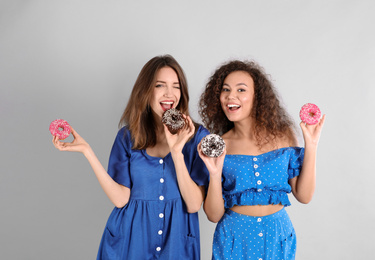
<point x="271" y="119"/>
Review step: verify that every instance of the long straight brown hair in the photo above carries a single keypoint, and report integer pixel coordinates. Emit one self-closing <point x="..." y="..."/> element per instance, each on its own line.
<point x="138" y="116"/>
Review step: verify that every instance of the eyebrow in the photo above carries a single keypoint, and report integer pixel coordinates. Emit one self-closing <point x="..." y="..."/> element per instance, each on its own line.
<point x="239" y="84"/>
<point x="160" y="81"/>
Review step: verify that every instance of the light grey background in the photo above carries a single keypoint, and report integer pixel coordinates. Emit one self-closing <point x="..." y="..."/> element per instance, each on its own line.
<point x="78" y="60"/>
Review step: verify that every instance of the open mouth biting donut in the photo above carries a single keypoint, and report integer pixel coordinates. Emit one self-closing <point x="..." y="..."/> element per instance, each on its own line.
<point x="166" y="105"/>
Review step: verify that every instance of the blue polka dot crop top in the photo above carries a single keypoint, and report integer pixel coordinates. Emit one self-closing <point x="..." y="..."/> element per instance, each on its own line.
<point x="261" y="179"/>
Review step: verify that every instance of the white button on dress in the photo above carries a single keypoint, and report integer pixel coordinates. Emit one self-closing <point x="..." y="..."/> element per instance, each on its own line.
<point x="161" y="215"/>
<point x="161" y="198"/>
<point x="160" y="232"/>
<point x="255" y="166"/>
<point x="161" y="161"/>
<point x="158" y="248"/>
<point x="257" y="174"/>
<point x="161" y="180"/>
<point x="259" y="182"/>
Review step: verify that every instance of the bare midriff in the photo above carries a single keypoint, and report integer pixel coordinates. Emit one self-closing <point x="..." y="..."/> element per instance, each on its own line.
<point x="257" y="210"/>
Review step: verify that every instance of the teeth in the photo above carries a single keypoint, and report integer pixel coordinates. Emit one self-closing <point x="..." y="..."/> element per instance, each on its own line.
<point x="167" y="103"/>
<point x="232" y="105"/>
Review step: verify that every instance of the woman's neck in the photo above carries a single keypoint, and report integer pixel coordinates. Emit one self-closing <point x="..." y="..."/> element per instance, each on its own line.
<point x="243" y="129"/>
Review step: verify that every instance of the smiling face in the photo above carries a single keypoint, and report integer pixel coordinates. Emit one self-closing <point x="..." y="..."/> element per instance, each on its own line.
<point x="237" y="96"/>
<point x="167" y="93"/>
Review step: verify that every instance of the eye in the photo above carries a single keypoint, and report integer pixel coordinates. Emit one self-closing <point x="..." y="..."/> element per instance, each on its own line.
<point x="177" y="86"/>
<point x="241" y="90"/>
<point x="225" y="89"/>
<point x="158" y="85"/>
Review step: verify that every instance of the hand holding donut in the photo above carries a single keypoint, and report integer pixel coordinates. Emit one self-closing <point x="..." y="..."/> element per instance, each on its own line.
<point x="177" y="141"/>
<point x="311" y="124"/>
<point x="214" y="164"/>
<point x="77" y="145"/>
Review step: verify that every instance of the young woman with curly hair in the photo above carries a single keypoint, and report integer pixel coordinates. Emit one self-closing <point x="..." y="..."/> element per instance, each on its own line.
<point x="155" y="179"/>
<point x="250" y="182"/>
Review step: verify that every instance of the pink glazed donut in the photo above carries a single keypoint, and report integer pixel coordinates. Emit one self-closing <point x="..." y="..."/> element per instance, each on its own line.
<point x="310" y="114"/>
<point x="60" y="128"/>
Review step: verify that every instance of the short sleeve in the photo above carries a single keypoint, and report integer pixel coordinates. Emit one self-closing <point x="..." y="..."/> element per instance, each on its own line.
<point x="118" y="165"/>
<point x="199" y="172"/>
<point x="295" y="161"/>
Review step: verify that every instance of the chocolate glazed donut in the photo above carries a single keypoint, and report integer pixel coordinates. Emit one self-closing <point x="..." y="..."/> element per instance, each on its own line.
<point x="174" y="120"/>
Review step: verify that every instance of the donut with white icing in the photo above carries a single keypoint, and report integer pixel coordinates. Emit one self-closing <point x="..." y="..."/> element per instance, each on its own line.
<point x="212" y="145"/>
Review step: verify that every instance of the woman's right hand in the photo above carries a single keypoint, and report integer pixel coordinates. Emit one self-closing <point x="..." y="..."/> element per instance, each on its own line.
<point x="117" y="193"/>
<point x="214" y="164"/>
<point x="213" y="204"/>
<point x="77" y="145"/>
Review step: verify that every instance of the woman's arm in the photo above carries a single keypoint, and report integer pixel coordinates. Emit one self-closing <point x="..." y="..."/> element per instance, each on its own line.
<point x="117" y="193"/>
<point x="191" y="193"/>
<point x="303" y="186"/>
<point x="214" y="203"/>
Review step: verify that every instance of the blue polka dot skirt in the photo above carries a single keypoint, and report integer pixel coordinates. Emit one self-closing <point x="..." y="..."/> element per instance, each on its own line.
<point x="240" y="236"/>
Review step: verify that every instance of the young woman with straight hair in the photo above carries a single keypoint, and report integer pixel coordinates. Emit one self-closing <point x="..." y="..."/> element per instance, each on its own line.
<point x="155" y="179"/>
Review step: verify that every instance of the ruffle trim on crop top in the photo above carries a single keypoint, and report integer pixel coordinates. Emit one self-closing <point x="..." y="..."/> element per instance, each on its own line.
<point x="254" y="197"/>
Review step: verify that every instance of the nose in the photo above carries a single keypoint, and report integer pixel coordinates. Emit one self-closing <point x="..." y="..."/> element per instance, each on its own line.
<point x="232" y="94"/>
<point x="168" y="91"/>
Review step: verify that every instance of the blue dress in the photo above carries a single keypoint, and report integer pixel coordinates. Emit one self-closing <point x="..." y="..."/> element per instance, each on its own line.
<point x="257" y="180"/>
<point x="154" y="224"/>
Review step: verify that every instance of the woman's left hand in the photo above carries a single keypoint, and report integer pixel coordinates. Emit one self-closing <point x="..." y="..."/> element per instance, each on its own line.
<point x="311" y="133"/>
<point x="177" y="141"/>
